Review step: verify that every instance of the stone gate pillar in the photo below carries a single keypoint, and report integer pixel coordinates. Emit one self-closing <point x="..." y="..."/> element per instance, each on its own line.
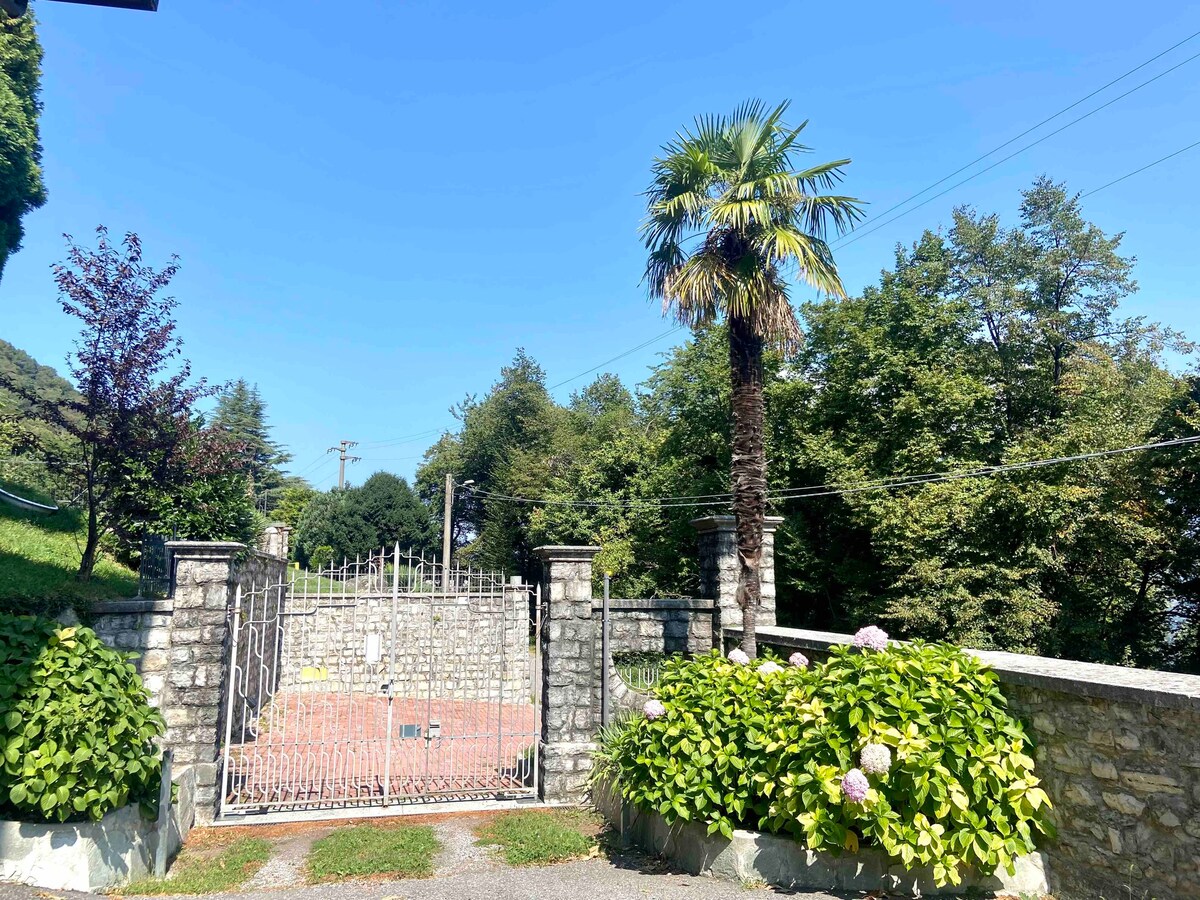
<point x="569" y="677"/>
<point x="193" y="702"/>
<point x="719" y="570"/>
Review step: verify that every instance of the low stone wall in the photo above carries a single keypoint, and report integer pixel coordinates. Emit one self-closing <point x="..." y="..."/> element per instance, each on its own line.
<point x="665" y="625"/>
<point x="93" y="856"/>
<point x="466" y="649"/>
<point x="142" y="627"/>
<point x="1118" y="751"/>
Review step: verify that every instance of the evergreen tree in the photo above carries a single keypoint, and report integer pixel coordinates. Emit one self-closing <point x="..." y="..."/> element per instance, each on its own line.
<point x="242" y="414"/>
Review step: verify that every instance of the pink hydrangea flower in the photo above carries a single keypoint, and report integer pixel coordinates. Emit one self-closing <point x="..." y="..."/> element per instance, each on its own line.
<point x="870" y="638"/>
<point x="653" y="709"/>
<point x="770" y="668"/>
<point x="875" y="759"/>
<point x="855" y="786"/>
<point x="739" y="657"/>
<point x="799" y="660"/>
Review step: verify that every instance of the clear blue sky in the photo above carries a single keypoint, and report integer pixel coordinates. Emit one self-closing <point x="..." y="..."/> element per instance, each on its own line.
<point x="376" y="202"/>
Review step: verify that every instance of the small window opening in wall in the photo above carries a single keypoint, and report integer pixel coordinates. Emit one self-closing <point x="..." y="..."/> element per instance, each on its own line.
<point x="410" y="731"/>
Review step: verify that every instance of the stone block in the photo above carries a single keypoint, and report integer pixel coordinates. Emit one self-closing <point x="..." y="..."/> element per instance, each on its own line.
<point x="1125" y="804"/>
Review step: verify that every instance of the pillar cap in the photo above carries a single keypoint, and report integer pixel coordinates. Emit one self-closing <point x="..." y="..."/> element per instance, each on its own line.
<point x="566" y="553"/>
<point x="204" y="549"/>
<point x="729" y="523"/>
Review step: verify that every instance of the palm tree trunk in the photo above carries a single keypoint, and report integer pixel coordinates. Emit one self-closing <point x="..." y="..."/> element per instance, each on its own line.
<point x="748" y="470"/>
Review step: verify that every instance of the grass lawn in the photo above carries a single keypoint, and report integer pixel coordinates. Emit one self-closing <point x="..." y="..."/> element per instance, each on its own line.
<point x="372" y="851"/>
<point x="39" y="555"/>
<point x="208" y="869"/>
<point x="539" y="837"/>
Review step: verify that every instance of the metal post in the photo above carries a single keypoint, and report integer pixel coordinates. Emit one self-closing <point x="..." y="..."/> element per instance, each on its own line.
<point x="231" y="687"/>
<point x="391" y="682"/>
<point x="448" y="513"/>
<point x="163" y="826"/>
<point x="605" y="657"/>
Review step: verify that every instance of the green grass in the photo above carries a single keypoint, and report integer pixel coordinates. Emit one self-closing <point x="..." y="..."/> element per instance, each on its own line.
<point x="208" y="872"/>
<point x="367" y="851"/>
<point x="540" y="837"/>
<point x="39" y="555"/>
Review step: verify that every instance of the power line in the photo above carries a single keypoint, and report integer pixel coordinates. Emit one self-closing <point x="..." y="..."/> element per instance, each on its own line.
<point x="1139" y="171"/>
<point x="839" y="488"/>
<point x="628" y="352"/>
<point x="860" y="235"/>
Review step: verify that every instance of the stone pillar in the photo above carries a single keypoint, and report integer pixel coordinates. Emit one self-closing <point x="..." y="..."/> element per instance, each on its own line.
<point x="719" y="570"/>
<point x="193" y="704"/>
<point x="569" y="675"/>
<point x="275" y="540"/>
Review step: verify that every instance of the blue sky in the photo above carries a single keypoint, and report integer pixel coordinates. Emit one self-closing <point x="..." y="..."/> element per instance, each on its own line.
<point x="376" y="202"/>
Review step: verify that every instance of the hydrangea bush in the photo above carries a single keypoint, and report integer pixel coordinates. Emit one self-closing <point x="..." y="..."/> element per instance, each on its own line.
<point x="906" y="747"/>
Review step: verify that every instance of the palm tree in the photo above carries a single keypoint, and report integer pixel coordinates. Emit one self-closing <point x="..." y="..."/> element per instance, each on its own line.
<point x="728" y="186"/>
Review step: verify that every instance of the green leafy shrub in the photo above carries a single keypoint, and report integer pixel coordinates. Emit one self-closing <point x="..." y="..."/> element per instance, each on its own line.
<point x="76" y="728"/>
<point x="949" y="778"/>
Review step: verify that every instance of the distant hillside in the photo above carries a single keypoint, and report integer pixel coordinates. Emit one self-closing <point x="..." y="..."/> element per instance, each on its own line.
<point x="18" y="463"/>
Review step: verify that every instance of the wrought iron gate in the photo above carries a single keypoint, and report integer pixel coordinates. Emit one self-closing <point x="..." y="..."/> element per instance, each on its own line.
<point x="382" y="681"/>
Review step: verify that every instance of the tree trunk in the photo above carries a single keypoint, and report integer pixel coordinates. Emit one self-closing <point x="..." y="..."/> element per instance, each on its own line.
<point x="88" y="562"/>
<point x="748" y="470"/>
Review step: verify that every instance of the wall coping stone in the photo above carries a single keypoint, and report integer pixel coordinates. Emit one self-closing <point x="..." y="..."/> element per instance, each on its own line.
<point x="729" y="523"/>
<point x="133" y="605"/>
<point x="699" y="604"/>
<point x="204" y="549"/>
<point x="566" y="553"/>
<point x="1168" y="690"/>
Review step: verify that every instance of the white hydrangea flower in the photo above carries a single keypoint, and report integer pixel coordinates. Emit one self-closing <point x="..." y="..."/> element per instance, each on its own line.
<point x="770" y="668"/>
<point x="739" y="657"/>
<point x="875" y="759"/>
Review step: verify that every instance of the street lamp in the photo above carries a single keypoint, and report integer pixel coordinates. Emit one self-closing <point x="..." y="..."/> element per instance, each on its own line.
<point x="16" y="8"/>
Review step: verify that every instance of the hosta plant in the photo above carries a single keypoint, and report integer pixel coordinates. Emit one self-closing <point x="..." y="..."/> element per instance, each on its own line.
<point x="910" y="748"/>
<point x="76" y="729"/>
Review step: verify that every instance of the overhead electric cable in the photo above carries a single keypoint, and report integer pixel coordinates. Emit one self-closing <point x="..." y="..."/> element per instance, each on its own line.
<point x="837" y="488"/>
<point x="1139" y="171"/>
<point x="856" y="235"/>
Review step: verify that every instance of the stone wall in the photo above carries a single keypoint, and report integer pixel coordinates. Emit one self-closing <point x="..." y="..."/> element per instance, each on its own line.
<point x="464" y="648"/>
<point x="142" y="627"/>
<point x="1118" y="751"/>
<point x="667" y="625"/>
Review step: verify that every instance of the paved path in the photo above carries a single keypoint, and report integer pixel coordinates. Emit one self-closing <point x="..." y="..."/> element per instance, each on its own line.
<point x="466" y="871"/>
<point x="592" y="879"/>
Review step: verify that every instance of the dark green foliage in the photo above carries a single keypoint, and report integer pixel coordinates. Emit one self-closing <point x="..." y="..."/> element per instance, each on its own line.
<point x="743" y="747"/>
<point x="984" y="346"/>
<point x="242" y="415"/>
<point x="344" y="524"/>
<point x="21" y="187"/>
<point x="24" y="439"/>
<point x="76" y="728"/>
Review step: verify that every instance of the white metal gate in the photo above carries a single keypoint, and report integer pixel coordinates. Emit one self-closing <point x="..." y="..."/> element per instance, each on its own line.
<point x="381" y="681"/>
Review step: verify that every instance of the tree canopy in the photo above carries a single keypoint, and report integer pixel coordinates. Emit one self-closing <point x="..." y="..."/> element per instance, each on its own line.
<point x="987" y="345"/>
<point x="21" y="187"/>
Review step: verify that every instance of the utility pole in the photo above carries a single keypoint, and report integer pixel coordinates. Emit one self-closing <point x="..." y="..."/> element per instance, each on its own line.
<point x="447" y="512"/>
<point x="447" y="527"/>
<point x="343" y="459"/>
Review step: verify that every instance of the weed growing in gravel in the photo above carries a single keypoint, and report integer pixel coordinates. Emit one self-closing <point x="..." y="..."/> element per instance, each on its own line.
<point x="207" y="872"/>
<point x="370" y="851"/>
<point x="540" y="837"/>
